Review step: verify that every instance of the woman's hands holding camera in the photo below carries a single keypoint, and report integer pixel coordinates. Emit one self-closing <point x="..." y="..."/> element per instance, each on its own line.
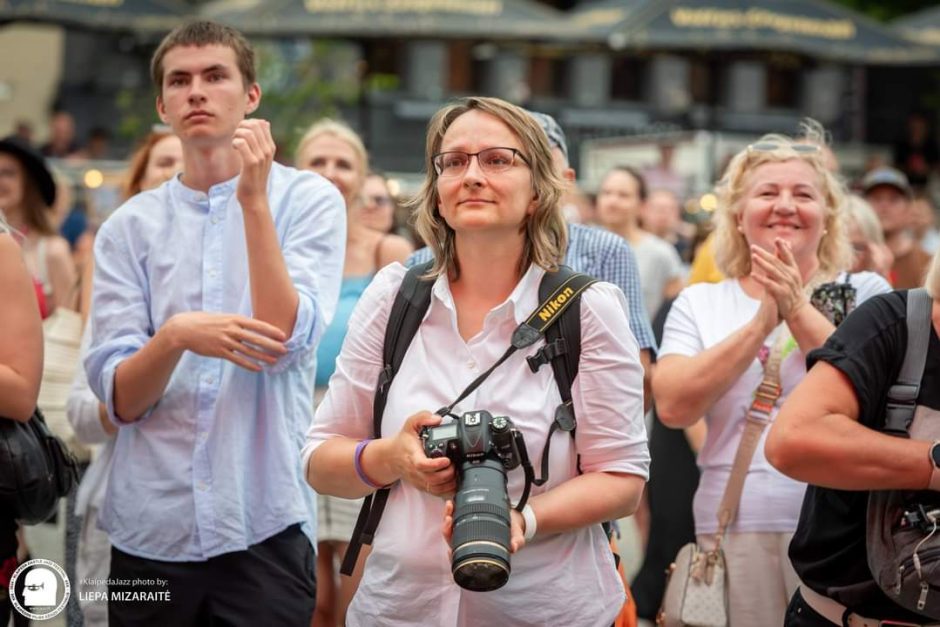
<point x="432" y="475"/>
<point x="516" y="527"/>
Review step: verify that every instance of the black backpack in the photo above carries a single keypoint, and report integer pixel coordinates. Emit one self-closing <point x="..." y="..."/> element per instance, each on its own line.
<point x="903" y="526"/>
<point x="562" y="350"/>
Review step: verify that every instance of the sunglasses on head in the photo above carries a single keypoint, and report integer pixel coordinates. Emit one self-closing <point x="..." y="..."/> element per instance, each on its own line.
<point x="770" y="146"/>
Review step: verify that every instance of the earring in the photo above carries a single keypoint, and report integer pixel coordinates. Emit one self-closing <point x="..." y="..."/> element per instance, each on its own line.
<point x="740" y="229"/>
<point x="825" y="232"/>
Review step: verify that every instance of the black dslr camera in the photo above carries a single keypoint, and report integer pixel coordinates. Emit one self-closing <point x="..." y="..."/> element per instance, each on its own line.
<point x="483" y="448"/>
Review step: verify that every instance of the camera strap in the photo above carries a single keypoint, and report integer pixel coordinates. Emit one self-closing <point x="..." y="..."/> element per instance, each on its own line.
<point x="528" y="333"/>
<point x="557" y="292"/>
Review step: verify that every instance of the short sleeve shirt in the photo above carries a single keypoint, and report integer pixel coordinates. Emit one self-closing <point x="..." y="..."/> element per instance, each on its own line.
<point x="828" y="548"/>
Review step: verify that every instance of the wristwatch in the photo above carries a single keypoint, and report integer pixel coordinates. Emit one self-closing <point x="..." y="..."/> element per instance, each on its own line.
<point x="934" y="455"/>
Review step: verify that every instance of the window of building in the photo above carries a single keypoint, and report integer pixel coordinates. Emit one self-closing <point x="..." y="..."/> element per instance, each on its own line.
<point x="627" y="76"/>
<point x="460" y="76"/>
<point x="548" y="77"/>
<point x="385" y="63"/>
<point x="783" y="81"/>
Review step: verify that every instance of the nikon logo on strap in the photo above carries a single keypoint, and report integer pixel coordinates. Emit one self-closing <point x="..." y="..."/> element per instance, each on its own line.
<point x="555" y="304"/>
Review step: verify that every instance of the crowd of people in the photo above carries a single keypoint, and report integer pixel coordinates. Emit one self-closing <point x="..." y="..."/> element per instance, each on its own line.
<point x="236" y="316"/>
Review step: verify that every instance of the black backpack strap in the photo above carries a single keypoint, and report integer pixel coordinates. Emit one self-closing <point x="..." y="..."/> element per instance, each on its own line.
<point x="411" y="303"/>
<point x="562" y="350"/>
<point x="902" y="396"/>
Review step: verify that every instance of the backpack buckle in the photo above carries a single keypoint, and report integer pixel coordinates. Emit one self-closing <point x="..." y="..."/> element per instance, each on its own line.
<point x="385" y="376"/>
<point x="565" y="418"/>
<point x="547" y="353"/>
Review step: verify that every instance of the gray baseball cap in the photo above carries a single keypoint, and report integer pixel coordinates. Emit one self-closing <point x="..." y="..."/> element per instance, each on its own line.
<point x="556" y="136"/>
<point x="887" y="176"/>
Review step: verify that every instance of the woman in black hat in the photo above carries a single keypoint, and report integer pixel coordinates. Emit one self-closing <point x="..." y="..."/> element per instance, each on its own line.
<point x="27" y="193"/>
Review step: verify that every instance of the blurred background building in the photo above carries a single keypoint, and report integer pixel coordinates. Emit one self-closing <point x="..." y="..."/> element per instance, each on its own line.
<point x="621" y="76"/>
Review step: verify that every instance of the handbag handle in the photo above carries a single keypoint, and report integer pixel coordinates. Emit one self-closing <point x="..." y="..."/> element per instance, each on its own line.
<point x="758" y="417"/>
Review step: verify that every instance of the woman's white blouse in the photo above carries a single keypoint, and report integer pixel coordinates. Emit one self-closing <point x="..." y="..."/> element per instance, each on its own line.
<point x="561" y="579"/>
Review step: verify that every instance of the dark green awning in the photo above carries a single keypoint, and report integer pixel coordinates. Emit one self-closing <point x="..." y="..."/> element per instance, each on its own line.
<point x="812" y="27"/>
<point x="140" y="15"/>
<point x="492" y="19"/>
<point x="922" y="27"/>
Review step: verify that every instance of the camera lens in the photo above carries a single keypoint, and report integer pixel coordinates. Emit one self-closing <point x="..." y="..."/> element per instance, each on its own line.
<point x="480" y="541"/>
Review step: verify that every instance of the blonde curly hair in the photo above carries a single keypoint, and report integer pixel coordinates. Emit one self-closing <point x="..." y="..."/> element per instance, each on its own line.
<point x="732" y="250"/>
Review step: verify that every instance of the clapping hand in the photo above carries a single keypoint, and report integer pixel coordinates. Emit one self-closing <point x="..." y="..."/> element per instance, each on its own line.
<point x="779" y="274"/>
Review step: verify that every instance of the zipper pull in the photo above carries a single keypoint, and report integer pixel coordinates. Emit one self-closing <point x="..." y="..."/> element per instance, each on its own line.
<point x="922" y="600"/>
<point x="897" y="585"/>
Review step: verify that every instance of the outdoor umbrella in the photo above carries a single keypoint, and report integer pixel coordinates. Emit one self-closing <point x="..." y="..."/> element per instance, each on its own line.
<point x="492" y="19"/>
<point x="922" y="27"/>
<point x="136" y="15"/>
<point x="812" y="27"/>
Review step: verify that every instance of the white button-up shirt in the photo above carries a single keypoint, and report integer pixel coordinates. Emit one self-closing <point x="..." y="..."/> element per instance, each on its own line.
<point x="212" y="466"/>
<point x="560" y="579"/>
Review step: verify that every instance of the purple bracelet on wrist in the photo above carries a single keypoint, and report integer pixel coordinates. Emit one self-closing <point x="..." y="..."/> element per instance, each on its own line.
<point x="357" y="462"/>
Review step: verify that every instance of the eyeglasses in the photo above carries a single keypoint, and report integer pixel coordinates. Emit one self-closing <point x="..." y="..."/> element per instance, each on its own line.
<point x="35" y="586"/>
<point x="491" y="161"/>
<point x="798" y="147"/>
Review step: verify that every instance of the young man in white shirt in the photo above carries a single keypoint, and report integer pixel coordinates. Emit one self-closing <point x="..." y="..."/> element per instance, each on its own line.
<point x="211" y="292"/>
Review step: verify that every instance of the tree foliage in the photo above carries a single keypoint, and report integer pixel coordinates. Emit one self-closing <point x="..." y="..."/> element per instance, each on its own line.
<point x="886" y="10"/>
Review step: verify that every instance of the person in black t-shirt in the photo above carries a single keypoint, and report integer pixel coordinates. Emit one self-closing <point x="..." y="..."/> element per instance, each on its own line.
<point x="828" y="434"/>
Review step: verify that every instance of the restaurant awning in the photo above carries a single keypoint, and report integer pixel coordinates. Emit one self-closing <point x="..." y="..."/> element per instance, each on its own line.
<point x="135" y="15"/>
<point x="491" y="19"/>
<point x="812" y="27"/>
<point x="922" y="27"/>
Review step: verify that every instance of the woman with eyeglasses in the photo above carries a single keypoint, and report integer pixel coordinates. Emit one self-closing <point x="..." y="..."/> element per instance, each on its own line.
<point x="781" y="241"/>
<point x="335" y="151"/>
<point x="490" y="209"/>
<point x="378" y="204"/>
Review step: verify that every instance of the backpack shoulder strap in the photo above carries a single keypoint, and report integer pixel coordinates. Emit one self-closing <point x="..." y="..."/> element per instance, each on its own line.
<point x="566" y="334"/>
<point x="411" y="303"/>
<point x="902" y="396"/>
<point x="562" y="350"/>
<point x="408" y="309"/>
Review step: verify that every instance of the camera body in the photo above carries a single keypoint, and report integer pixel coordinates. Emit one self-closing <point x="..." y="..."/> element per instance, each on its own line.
<point x="477" y="435"/>
<point x="483" y="448"/>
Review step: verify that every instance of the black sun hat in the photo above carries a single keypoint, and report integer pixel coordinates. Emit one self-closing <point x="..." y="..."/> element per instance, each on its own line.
<point x="34" y="164"/>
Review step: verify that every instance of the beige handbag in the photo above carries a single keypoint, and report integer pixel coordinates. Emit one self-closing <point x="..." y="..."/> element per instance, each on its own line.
<point x="697" y="581"/>
<point x="62" y="337"/>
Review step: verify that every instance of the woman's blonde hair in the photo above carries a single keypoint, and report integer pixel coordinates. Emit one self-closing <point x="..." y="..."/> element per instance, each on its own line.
<point x="932" y="283"/>
<point x="860" y="212"/>
<point x="334" y="128"/>
<point x="732" y="251"/>
<point x="546" y="234"/>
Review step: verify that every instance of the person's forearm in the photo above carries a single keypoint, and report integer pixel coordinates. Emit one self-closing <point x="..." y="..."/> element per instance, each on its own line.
<point x="585" y="500"/>
<point x="273" y="295"/>
<point x="840" y="453"/>
<point x="686" y="388"/>
<point x="141" y="379"/>
<point x="331" y="469"/>
<point x="17" y="394"/>
<point x="809" y="328"/>
<point x="646" y="360"/>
